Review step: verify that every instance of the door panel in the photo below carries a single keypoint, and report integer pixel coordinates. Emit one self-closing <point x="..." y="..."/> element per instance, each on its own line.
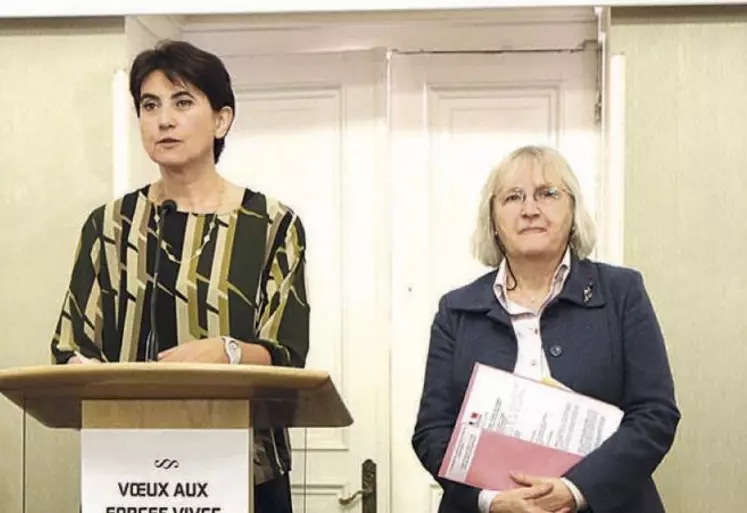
<point x="306" y="133"/>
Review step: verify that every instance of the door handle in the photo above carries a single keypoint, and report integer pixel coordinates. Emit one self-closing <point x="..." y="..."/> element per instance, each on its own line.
<point x="367" y="492"/>
<point x="347" y="501"/>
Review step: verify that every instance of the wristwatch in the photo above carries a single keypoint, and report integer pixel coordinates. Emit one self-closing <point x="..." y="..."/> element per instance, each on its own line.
<point x="233" y="349"/>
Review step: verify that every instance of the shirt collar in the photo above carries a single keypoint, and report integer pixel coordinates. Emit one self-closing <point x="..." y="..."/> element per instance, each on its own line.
<point x="559" y="278"/>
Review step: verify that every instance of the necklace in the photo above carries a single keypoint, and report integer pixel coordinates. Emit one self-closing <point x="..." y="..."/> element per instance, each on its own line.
<point x="532" y="299"/>
<point x="205" y="239"/>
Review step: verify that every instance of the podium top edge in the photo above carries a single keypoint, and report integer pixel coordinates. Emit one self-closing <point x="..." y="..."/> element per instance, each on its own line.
<point x="282" y="396"/>
<point x="18" y="378"/>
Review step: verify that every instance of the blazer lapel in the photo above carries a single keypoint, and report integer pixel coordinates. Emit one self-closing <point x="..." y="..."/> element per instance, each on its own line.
<point x="582" y="286"/>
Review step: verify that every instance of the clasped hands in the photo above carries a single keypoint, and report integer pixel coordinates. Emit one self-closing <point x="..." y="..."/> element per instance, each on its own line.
<point x="536" y="495"/>
<point x="206" y="350"/>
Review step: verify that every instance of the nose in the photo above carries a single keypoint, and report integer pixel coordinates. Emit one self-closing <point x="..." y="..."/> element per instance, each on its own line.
<point x="165" y="118"/>
<point x="529" y="208"/>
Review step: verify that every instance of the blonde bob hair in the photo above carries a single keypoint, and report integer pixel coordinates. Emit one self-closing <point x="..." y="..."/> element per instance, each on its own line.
<point x="583" y="234"/>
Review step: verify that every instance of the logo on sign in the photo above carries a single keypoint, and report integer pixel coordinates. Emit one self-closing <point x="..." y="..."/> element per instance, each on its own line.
<point x="166" y="464"/>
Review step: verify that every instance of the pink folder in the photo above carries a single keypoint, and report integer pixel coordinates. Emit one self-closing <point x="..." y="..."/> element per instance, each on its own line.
<point x="485" y="457"/>
<point x="497" y="454"/>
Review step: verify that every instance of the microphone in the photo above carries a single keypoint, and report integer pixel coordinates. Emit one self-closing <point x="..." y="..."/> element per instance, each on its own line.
<point x="153" y="342"/>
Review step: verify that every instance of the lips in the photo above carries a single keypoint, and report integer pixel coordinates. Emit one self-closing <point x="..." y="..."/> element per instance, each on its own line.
<point x="533" y="229"/>
<point x="168" y="140"/>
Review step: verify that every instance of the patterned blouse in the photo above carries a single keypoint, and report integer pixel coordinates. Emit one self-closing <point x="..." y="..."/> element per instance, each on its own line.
<point x="248" y="281"/>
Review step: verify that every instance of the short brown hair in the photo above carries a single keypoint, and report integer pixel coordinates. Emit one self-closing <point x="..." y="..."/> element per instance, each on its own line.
<point x="183" y="62"/>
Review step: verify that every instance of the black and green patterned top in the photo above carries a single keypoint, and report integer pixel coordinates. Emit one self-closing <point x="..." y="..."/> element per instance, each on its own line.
<point x="247" y="282"/>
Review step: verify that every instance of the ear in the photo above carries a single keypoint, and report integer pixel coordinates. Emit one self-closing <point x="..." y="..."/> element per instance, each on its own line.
<point x="223" y="122"/>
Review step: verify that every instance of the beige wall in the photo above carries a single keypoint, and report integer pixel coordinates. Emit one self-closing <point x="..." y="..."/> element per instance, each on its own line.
<point x="686" y="189"/>
<point x="686" y="229"/>
<point x="55" y="160"/>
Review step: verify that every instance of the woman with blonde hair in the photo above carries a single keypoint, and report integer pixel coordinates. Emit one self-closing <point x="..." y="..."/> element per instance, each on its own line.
<point x="548" y="312"/>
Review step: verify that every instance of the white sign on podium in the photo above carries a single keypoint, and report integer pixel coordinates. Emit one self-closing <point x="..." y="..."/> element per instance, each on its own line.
<point x="165" y="471"/>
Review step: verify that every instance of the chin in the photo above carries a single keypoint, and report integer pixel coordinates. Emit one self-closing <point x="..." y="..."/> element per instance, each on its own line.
<point x="535" y="252"/>
<point x="171" y="163"/>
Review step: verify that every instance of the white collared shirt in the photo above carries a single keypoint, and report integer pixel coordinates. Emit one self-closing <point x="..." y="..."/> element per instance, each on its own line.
<point x="531" y="361"/>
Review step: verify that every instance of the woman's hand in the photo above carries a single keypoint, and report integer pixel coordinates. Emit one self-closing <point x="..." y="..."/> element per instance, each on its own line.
<point x="80" y="359"/>
<point x="559" y="498"/>
<point x="213" y="350"/>
<point x="205" y="350"/>
<point x="521" y="500"/>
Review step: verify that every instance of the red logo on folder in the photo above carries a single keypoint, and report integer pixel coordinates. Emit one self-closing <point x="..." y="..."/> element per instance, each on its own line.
<point x="474" y="418"/>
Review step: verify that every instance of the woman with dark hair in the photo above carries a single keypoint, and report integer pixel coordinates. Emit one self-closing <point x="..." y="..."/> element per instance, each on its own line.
<point x="231" y="278"/>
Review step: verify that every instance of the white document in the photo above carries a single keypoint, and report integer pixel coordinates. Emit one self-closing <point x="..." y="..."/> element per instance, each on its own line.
<point x="509" y="423"/>
<point x="537" y="412"/>
<point x="165" y="471"/>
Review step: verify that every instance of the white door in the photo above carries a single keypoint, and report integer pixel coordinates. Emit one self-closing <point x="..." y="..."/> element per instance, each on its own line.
<point x="387" y="186"/>
<point x="453" y="117"/>
<point x="306" y="132"/>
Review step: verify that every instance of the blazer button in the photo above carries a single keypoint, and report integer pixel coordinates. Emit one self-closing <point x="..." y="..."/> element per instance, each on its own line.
<point x="556" y="351"/>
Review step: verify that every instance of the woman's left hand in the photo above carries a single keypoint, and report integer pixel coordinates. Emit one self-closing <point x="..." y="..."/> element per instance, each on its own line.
<point x="206" y="350"/>
<point x="559" y="498"/>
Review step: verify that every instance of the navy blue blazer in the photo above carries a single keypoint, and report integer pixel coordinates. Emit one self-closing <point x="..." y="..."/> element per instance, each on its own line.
<point x="602" y="339"/>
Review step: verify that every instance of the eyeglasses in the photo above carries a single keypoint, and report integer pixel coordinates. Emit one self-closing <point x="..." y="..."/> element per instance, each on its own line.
<point x="544" y="195"/>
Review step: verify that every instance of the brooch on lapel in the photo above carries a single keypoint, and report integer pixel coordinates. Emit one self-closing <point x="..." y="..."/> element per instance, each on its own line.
<point x="588" y="291"/>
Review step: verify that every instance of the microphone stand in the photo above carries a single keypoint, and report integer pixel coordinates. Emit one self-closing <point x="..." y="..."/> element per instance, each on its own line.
<point x="153" y="342"/>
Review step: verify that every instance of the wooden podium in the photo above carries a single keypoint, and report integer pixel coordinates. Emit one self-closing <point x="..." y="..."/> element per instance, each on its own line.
<point x="156" y="396"/>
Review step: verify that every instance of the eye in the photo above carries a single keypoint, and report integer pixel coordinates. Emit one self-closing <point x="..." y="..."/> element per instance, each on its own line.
<point x="512" y="197"/>
<point x="148" y="105"/>
<point x="184" y="103"/>
<point x="549" y="193"/>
